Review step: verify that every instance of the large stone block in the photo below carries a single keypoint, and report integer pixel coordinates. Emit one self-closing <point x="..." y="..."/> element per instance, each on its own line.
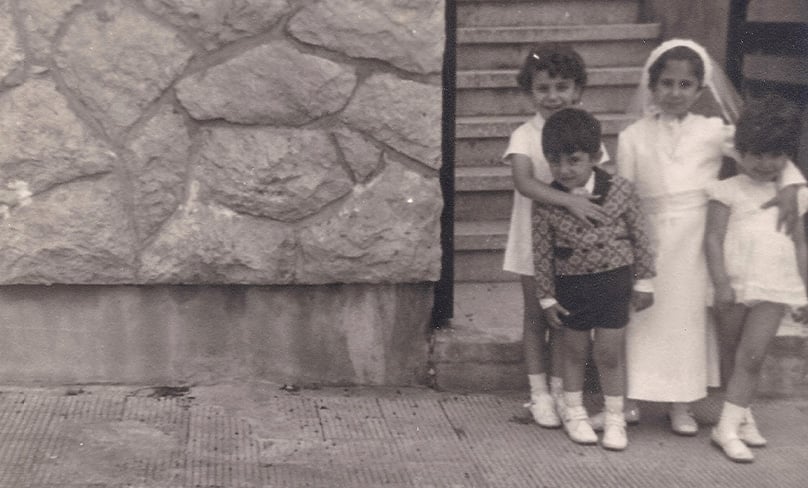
<point x="41" y="19"/>
<point x="119" y="61"/>
<point x="215" y="23"/>
<point x="12" y="56"/>
<point x="408" y="34"/>
<point x="158" y="167"/>
<point x="43" y="143"/>
<point x="283" y="174"/>
<point x="207" y="243"/>
<point x="75" y="233"/>
<point x="404" y="114"/>
<point x="386" y="231"/>
<point x="269" y="84"/>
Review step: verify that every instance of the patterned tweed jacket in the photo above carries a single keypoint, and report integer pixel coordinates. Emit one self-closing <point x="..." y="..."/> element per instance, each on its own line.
<point x="563" y="245"/>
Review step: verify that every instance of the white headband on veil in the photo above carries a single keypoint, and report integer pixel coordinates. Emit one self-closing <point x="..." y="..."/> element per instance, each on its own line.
<point x="726" y="104"/>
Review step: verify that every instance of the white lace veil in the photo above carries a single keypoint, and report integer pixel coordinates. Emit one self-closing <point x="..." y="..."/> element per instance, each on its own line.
<point x="719" y="99"/>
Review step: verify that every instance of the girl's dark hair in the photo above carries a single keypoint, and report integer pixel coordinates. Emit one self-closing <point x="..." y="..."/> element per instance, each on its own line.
<point x="678" y="53"/>
<point x="768" y="125"/>
<point x="557" y="60"/>
<point x="568" y="131"/>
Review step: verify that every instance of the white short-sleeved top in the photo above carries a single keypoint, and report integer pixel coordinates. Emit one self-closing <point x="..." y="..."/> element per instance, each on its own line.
<point x="760" y="260"/>
<point x="526" y="140"/>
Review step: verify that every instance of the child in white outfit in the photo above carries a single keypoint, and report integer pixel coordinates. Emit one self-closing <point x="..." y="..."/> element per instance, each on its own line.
<point x="672" y="154"/>
<point x="553" y="77"/>
<point x="757" y="272"/>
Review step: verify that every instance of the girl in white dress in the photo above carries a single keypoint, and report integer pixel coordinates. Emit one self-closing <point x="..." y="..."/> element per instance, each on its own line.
<point x="672" y="154"/>
<point x="757" y="272"/>
<point x="553" y="77"/>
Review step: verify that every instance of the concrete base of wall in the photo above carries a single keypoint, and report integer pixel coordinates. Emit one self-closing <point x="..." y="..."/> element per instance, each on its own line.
<point x="330" y="334"/>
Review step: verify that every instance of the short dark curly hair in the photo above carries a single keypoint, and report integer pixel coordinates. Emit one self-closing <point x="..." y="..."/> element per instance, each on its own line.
<point x="557" y="60"/>
<point x="568" y="131"/>
<point x="769" y="125"/>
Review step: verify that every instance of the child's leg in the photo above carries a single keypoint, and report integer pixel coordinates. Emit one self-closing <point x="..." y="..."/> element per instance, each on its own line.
<point x="610" y="360"/>
<point x="609" y="355"/>
<point x="730" y="325"/>
<point x="576" y="348"/>
<point x="759" y="327"/>
<point x="534" y="329"/>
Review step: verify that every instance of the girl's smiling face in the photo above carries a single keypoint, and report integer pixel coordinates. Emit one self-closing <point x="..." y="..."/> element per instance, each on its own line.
<point x="553" y="93"/>
<point x="762" y="167"/>
<point x="677" y="88"/>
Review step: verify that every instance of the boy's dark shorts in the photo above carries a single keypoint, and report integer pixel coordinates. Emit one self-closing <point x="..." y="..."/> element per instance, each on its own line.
<point x="599" y="300"/>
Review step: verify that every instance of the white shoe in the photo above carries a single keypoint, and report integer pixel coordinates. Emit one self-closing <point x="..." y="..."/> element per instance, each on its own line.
<point x="631" y="416"/>
<point x="732" y="446"/>
<point x="577" y="426"/>
<point x="542" y="407"/>
<point x="597" y="421"/>
<point x="749" y="433"/>
<point x="682" y="421"/>
<point x="614" y="432"/>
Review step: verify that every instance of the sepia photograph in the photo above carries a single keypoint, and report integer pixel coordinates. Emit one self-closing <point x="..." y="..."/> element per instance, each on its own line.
<point x="403" y="243"/>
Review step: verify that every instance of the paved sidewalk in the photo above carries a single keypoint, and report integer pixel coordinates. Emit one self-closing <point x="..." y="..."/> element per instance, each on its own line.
<point x="259" y="435"/>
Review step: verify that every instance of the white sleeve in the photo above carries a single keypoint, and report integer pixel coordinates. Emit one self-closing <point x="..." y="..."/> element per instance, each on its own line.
<point x="626" y="158"/>
<point x="517" y="144"/>
<point x="791" y="175"/>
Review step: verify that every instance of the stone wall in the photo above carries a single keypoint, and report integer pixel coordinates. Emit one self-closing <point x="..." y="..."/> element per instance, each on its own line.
<point x="247" y="147"/>
<point x="220" y="142"/>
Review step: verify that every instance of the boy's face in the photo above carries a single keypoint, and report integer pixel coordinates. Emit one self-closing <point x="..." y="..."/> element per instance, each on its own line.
<point x="762" y="167"/>
<point x="553" y="93"/>
<point x="677" y="89"/>
<point x="573" y="170"/>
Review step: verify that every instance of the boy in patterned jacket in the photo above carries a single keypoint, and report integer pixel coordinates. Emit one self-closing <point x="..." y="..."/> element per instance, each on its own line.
<point x="589" y="276"/>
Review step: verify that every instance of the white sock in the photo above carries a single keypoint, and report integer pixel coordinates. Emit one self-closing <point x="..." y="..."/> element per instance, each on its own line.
<point x="538" y="384"/>
<point x="731" y="417"/>
<point x="613" y="404"/>
<point x="574" y="398"/>
<point x="556" y="386"/>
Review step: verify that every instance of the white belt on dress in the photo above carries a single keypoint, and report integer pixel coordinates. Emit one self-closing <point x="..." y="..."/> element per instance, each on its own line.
<point x="677" y="202"/>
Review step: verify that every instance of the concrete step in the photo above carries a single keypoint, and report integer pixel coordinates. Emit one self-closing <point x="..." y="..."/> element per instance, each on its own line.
<point x="479" y="251"/>
<point x="481" y="349"/>
<point x="481" y="140"/>
<point x="488" y="151"/>
<point x="495" y="92"/>
<point x="501" y="126"/>
<point x="548" y="12"/>
<point x="483" y="205"/>
<point x="480" y="235"/>
<point x="599" y="45"/>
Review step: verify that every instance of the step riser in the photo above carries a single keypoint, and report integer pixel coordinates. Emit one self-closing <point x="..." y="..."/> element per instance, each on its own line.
<point x="480" y="377"/>
<point x="594" y="54"/>
<point x="483" y="205"/>
<point x="513" y="101"/>
<point x="481" y="266"/>
<point x="546" y="13"/>
<point x="488" y="152"/>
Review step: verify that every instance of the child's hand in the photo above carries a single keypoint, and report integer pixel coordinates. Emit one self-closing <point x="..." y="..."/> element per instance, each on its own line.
<point x="724" y="297"/>
<point x="800" y="315"/>
<point x="787" y="208"/>
<point x="641" y="300"/>
<point x="554" y="313"/>
<point x="582" y="207"/>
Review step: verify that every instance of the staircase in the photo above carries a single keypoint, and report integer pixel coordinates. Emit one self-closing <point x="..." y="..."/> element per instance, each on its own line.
<point x="481" y="350"/>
